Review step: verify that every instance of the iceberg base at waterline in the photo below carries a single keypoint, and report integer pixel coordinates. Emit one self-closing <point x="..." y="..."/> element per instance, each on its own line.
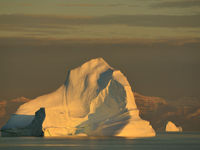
<point x="95" y="100"/>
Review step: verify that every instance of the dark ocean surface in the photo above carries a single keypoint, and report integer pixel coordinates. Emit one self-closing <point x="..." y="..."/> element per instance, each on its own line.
<point x="164" y="141"/>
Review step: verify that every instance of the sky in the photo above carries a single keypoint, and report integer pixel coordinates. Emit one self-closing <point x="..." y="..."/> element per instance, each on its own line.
<point x="156" y="43"/>
<point x="152" y="19"/>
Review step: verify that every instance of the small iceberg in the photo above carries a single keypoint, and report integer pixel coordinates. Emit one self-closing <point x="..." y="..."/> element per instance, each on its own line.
<point x="171" y="127"/>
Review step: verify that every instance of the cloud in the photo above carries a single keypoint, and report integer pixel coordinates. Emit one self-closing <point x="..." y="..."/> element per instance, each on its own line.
<point x="89" y="5"/>
<point x="152" y="20"/>
<point x="47" y="21"/>
<point x="26" y="4"/>
<point x="116" y="26"/>
<point x="177" y="4"/>
<point x="37" y="41"/>
<point x="16" y="4"/>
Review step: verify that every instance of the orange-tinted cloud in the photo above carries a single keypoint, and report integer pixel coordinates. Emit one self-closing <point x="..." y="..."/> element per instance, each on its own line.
<point x="131" y="20"/>
<point x="177" y="4"/>
<point x="26" y="4"/>
<point x="89" y="5"/>
<point x="116" y="26"/>
<point x="16" y="41"/>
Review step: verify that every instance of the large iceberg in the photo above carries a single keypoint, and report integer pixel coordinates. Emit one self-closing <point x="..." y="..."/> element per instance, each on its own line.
<point x="95" y="100"/>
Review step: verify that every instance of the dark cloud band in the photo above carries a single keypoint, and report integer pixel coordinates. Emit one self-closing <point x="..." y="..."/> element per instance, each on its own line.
<point x="40" y="21"/>
<point x="177" y="4"/>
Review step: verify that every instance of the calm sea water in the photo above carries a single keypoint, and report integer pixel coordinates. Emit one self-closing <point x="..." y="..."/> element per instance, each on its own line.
<point x="164" y="141"/>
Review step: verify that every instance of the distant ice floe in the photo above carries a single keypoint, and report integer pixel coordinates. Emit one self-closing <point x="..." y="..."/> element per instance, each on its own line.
<point x="171" y="127"/>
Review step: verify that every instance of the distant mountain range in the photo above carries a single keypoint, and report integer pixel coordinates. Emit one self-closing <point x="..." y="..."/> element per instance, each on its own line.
<point x="184" y="112"/>
<point x="8" y="107"/>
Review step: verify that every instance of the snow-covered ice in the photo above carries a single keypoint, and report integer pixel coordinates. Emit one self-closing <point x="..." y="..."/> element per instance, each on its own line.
<point x="95" y="100"/>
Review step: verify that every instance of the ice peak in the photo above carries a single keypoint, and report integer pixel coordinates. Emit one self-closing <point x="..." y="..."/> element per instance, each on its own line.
<point x="99" y="59"/>
<point x="96" y="62"/>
